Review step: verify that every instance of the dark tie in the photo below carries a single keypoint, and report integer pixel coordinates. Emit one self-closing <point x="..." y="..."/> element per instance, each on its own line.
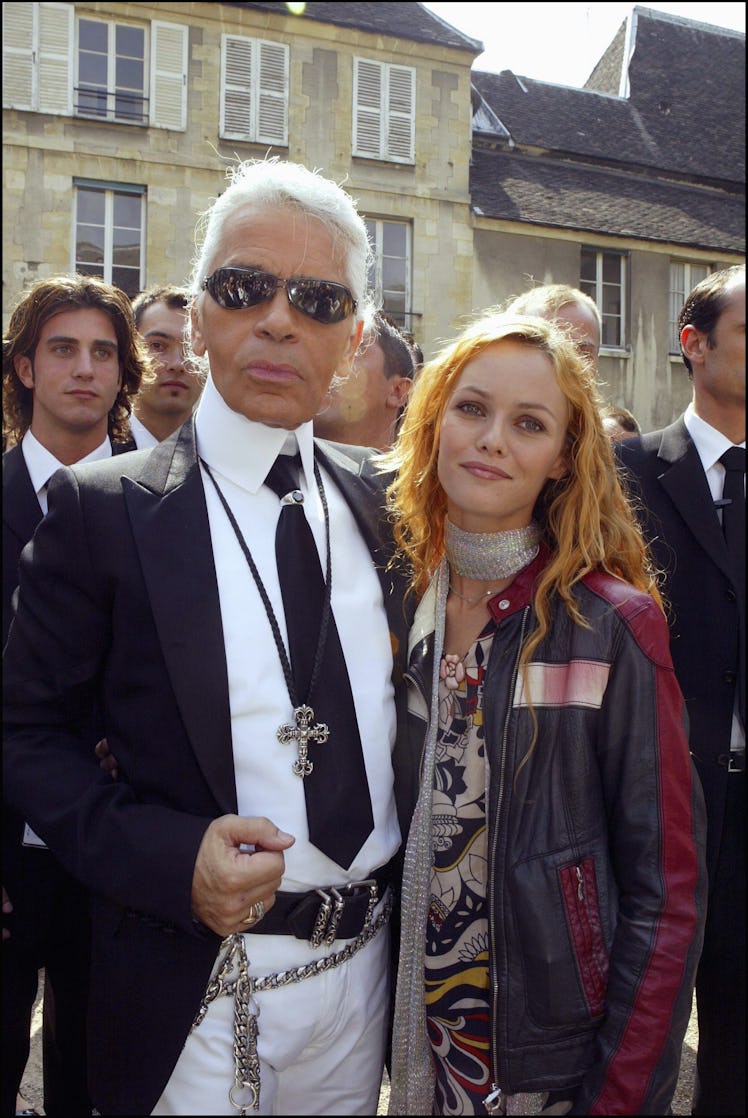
<point x="338" y="804"/>
<point x="733" y="526"/>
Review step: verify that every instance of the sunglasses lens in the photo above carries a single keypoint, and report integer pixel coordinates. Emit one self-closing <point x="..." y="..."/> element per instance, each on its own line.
<point x="323" y="301"/>
<point x="234" y="288"/>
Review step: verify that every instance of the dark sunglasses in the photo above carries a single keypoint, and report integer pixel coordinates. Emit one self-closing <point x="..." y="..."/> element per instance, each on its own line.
<point x="238" y="288"/>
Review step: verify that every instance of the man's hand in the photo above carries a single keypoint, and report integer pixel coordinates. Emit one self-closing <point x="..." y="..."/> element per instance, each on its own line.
<point x="7" y="909"/>
<point x="107" y="760"/>
<point x="227" y="881"/>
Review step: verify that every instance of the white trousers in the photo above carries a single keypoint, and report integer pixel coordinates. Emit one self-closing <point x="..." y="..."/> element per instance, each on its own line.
<point x="321" y="1041"/>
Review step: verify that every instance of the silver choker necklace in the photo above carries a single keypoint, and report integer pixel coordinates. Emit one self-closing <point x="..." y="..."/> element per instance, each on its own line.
<point x="488" y="556"/>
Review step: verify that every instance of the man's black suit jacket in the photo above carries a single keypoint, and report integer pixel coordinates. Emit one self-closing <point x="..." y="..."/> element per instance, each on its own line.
<point x="681" y="524"/>
<point x="119" y="602"/>
<point x="35" y="881"/>
<point x="49" y="924"/>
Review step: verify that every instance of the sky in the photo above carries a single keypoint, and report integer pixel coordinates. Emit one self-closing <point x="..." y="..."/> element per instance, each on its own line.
<point x="560" y="42"/>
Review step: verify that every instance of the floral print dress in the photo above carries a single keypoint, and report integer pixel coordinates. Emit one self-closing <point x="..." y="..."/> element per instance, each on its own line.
<point x="457" y="975"/>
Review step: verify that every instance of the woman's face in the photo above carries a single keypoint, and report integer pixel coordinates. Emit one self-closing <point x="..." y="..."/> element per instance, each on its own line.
<point x="502" y="436"/>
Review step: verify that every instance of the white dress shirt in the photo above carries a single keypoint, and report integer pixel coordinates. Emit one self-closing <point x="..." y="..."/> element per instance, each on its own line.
<point x="240" y="453"/>
<point x="41" y="463"/>
<point x="140" y="433"/>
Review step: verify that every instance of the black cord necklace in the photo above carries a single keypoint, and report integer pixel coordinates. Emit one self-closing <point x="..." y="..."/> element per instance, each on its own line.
<point x="303" y="731"/>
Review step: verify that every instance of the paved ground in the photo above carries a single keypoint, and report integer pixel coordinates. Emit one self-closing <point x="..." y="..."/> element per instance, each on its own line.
<point x="32" y="1082"/>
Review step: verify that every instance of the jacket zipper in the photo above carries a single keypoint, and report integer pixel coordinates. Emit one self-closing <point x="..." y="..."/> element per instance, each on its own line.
<point x="495" y="1102"/>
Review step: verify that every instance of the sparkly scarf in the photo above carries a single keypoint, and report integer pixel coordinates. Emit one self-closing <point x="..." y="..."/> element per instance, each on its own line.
<point x="412" y="1077"/>
<point x="490" y="556"/>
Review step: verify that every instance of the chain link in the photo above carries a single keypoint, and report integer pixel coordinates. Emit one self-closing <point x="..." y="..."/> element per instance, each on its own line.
<point x="244" y="1095"/>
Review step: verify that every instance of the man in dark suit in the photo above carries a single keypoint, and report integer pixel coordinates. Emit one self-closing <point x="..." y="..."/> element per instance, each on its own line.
<point x="167" y="604"/>
<point x="163" y="404"/>
<point x="71" y="364"/>
<point x="679" y="481"/>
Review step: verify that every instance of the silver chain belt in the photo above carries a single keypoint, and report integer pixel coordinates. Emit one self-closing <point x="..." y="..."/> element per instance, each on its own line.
<point x="244" y="1095"/>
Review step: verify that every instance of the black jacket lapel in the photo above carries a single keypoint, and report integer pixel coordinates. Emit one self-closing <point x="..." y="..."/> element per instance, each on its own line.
<point x="685" y="483"/>
<point x="365" y="496"/>
<point x="170" y="524"/>
<point x="21" y="509"/>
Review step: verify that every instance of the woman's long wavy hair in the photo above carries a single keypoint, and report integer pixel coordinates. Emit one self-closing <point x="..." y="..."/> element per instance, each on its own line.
<point x="40" y="302"/>
<point x="586" y="520"/>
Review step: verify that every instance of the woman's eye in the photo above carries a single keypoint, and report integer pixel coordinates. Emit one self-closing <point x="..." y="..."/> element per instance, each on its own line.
<point x="530" y="424"/>
<point x="469" y="408"/>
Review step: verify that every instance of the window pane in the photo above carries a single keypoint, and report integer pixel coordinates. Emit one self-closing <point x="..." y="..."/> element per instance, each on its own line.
<point x="90" y="244"/>
<point x="90" y="269"/>
<point x="127" y="279"/>
<point x="678" y="278"/>
<point x="125" y="237"/>
<point x="611" y="300"/>
<point x="130" y="41"/>
<point x="93" y="104"/>
<point x="90" y="205"/>
<point x="92" y="35"/>
<point x="394" y="239"/>
<point x="127" y="254"/>
<point x="92" y="69"/>
<point x="394" y="304"/>
<point x="127" y="209"/>
<point x="393" y="274"/>
<point x="610" y="332"/>
<point x="128" y="106"/>
<point x="588" y="269"/>
<point x="611" y="268"/>
<point x="129" y="74"/>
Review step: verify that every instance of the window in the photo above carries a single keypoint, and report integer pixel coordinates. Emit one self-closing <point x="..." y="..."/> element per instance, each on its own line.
<point x="384" y="102"/>
<point x="683" y="278"/>
<point x="111" y="81"/>
<point x="109" y="233"/>
<point x="254" y="90"/>
<point x="100" y="70"/>
<point x="390" y="274"/>
<point x="603" y="277"/>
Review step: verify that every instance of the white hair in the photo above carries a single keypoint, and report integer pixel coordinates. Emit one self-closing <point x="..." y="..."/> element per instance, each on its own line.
<point x="267" y="183"/>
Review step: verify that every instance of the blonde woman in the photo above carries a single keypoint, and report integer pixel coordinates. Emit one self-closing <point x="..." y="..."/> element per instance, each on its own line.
<point x="553" y="893"/>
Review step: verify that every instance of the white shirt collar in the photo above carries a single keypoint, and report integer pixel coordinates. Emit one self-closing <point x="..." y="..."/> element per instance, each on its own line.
<point x="41" y="463"/>
<point x="242" y="449"/>
<point x="709" y="442"/>
<point x="140" y="433"/>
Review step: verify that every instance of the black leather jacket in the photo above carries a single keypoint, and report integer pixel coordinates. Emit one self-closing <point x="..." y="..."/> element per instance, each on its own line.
<point x="596" y="862"/>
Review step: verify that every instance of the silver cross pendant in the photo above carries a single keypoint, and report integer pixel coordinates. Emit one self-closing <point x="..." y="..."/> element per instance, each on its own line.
<point x="303" y="732"/>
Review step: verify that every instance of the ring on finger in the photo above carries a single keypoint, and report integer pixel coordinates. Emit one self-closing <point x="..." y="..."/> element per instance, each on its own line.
<point x="255" y="914"/>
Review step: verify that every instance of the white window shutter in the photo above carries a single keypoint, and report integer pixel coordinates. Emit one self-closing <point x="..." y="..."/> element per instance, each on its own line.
<point x="56" y="59"/>
<point x="272" y="100"/>
<point x="367" y="108"/>
<point x="237" y="68"/>
<point x="169" y="58"/>
<point x="19" y="56"/>
<point x="401" y="114"/>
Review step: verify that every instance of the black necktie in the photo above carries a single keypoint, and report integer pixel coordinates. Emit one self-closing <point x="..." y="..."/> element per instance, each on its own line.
<point x="338" y="803"/>
<point x="733" y="526"/>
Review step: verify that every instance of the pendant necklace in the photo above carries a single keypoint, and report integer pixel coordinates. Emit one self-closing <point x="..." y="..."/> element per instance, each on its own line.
<point x="305" y="729"/>
<point x="472" y="601"/>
